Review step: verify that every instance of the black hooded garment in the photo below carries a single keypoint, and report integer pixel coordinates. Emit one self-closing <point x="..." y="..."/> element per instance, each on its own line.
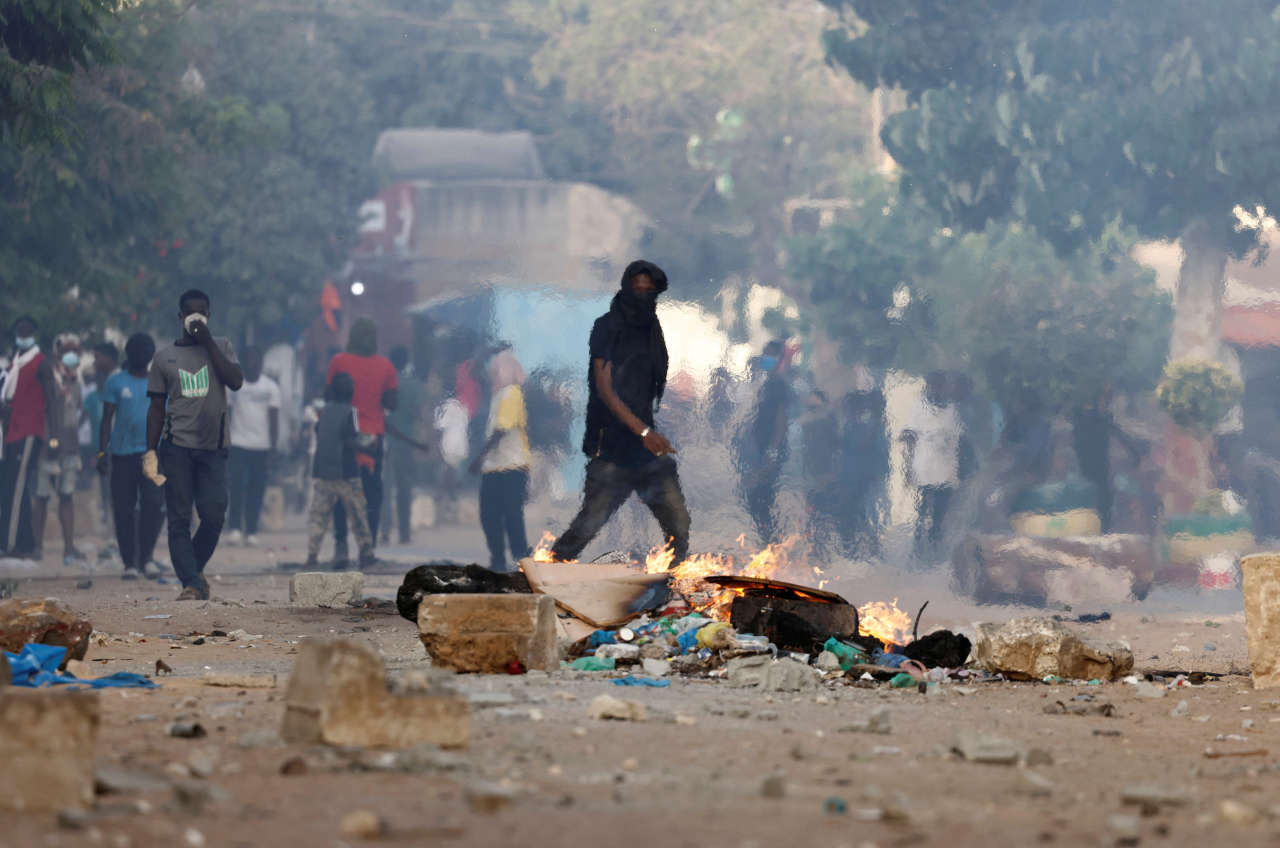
<point x="629" y="336"/>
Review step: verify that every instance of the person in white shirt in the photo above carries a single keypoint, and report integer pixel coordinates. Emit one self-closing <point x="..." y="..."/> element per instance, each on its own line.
<point x="932" y="436"/>
<point x="254" y="433"/>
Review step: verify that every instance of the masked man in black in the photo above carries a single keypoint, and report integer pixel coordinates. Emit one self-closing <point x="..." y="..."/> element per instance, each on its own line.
<point x="627" y="375"/>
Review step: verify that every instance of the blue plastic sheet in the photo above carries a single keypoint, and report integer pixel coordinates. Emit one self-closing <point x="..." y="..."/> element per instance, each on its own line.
<point x="37" y="665"/>
<point x="632" y="680"/>
<point x="602" y="637"/>
<point x="884" y="660"/>
<point x="687" y="641"/>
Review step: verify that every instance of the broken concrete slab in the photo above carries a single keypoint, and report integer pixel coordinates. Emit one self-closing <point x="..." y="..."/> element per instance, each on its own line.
<point x="484" y="633"/>
<point x="1261" y="588"/>
<point x="1034" y="647"/>
<point x="48" y="622"/>
<point x="986" y="748"/>
<point x="601" y="594"/>
<point x="46" y="746"/>
<point x="607" y="707"/>
<point x="325" y="588"/>
<point x="338" y="694"/>
<point x="760" y="671"/>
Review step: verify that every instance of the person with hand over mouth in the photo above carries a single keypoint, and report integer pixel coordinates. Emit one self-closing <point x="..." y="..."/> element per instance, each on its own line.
<point x="187" y="438"/>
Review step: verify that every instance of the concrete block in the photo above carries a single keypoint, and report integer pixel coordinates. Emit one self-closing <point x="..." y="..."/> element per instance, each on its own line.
<point x="325" y="588"/>
<point x="1033" y="647"/>
<point x="484" y="633"/>
<point x="337" y="694"/>
<point x="1261" y="587"/>
<point x="46" y="746"/>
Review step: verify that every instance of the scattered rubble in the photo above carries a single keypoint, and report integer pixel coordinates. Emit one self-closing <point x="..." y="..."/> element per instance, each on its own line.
<point x="338" y="694"/>
<point x="46" y="622"/>
<point x="325" y="588"/>
<point x="762" y="672"/>
<point x="986" y="748"/>
<point x="1036" y="647"/>
<point x="607" y="707"/>
<point x="46" y="746"/>
<point x="484" y="633"/>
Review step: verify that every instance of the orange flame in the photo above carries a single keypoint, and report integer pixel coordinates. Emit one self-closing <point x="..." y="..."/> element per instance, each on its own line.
<point x="885" y="622"/>
<point x="542" y="553"/>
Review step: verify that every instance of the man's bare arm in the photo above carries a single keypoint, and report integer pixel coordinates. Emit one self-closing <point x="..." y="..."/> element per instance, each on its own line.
<point x="653" y="440"/>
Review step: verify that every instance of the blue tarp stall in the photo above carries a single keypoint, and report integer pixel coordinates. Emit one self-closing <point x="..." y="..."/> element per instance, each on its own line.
<point x="548" y="330"/>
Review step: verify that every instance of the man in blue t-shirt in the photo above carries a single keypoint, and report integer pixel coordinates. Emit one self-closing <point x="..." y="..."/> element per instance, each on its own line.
<point x="137" y="503"/>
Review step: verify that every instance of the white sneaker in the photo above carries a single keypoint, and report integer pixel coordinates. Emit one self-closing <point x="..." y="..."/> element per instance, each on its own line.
<point x="251" y="541"/>
<point x="234" y="537"/>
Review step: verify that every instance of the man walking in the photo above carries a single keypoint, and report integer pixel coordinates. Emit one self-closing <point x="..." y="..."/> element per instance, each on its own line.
<point x="402" y="444"/>
<point x="188" y="390"/>
<point x="625" y="382"/>
<point x="137" y="504"/>
<point x="762" y="448"/>
<point x="255" y="430"/>
<point x="27" y="385"/>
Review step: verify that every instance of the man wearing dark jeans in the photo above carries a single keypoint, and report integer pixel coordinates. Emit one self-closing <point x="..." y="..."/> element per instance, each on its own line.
<point x="137" y="503"/>
<point x="188" y="391"/>
<point x="625" y="382"/>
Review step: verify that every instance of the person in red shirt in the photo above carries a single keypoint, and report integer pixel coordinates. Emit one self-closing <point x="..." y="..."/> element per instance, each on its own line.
<point x="28" y="382"/>
<point x="376" y="385"/>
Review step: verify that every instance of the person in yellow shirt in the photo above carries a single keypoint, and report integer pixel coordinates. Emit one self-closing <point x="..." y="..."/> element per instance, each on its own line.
<point x="503" y="464"/>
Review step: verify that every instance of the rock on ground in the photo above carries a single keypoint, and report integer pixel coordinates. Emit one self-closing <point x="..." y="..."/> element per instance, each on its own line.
<point x="1035" y="647"/>
<point x="325" y="588"/>
<point x="48" y="622"/>
<point x="46" y="748"/>
<point x="484" y="633"/>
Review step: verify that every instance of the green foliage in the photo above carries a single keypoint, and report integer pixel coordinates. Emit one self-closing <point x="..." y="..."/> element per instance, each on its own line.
<point x="1198" y="394"/>
<point x="1068" y="116"/>
<point x="1042" y="332"/>
<point x="42" y="42"/>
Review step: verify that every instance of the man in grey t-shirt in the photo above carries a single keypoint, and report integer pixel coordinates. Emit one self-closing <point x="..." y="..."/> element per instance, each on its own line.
<point x="188" y="390"/>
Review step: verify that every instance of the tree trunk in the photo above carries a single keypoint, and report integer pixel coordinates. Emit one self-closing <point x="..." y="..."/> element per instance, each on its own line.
<point x="1197" y="317"/>
<point x="1197" y="334"/>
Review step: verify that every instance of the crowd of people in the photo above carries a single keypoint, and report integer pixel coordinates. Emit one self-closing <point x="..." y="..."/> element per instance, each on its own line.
<point x="189" y="435"/>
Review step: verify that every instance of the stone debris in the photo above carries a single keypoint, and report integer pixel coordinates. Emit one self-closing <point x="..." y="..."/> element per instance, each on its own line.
<point x="487" y="797"/>
<point x="607" y="707"/>
<point x="877" y="722"/>
<point x="46" y="747"/>
<point x="1146" y="689"/>
<point x="325" y="588"/>
<point x="1153" y="796"/>
<point x="774" y="786"/>
<point x="110" y="779"/>
<point x="362" y="824"/>
<point x="1035" y="647"/>
<point x="655" y="667"/>
<point x="986" y="748"/>
<point x="47" y="622"/>
<point x="485" y="633"/>
<point x="1238" y="812"/>
<point x="239" y="681"/>
<point x="1260" y="586"/>
<point x="762" y="672"/>
<point x="338" y="694"/>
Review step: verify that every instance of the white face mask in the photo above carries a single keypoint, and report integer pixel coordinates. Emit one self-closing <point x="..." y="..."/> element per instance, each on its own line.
<point x="25" y="342"/>
<point x="192" y="319"/>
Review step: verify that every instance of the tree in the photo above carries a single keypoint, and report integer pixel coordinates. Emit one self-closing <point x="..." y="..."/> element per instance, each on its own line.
<point x="1044" y="334"/>
<point x="41" y="46"/>
<point x="1071" y="117"/>
<point x="720" y="112"/>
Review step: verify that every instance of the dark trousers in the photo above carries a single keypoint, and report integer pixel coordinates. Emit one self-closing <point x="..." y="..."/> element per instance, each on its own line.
<point x="760" y="492"/>
<point x="17" y="488"/>
<point x="402" y="469"/>
<point x="934" y="501"/>
<point x="502" y="498"/>
<point x="197" y="480"/>
<point x="247" y="470"/>
<point x="609" y="485"/>
<point x="371" y="483"/>
<point x="138" y="507"/>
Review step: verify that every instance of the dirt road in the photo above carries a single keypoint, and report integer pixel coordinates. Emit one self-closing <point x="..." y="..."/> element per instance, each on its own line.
<point x="712" y="765"/>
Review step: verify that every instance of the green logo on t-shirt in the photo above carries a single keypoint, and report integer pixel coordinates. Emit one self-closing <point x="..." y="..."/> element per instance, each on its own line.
<point x="194" y="385"/>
